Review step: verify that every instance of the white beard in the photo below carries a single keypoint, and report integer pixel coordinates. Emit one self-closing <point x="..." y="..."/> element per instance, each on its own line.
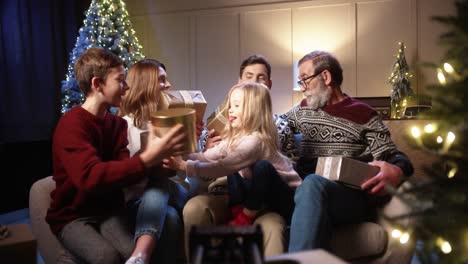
<point x="318" y="97"/>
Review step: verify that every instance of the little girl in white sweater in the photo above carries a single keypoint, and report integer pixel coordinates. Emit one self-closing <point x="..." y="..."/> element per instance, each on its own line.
<point x="259" y="176"/>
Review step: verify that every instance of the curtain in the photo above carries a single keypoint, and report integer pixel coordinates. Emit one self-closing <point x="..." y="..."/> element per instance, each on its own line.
<point x="36" y="38"/>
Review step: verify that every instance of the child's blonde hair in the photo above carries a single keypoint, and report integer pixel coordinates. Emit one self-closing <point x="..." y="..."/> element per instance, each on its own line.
<point x="256" y="117"/>
<point x="142" y="98"/>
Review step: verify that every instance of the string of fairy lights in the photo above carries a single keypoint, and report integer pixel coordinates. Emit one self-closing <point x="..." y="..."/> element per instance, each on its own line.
<point x="106" y="25"/>
<point x="431" y="138"/>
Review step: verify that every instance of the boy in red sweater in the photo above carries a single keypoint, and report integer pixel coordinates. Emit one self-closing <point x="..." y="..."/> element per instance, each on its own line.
<point x="92" y="164"/>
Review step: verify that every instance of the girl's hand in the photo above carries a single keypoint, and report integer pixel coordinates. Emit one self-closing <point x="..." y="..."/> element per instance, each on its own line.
<point x="199" y="128"/>
<point x="212" y="140"/>
<point x="172" y="143"/>
<point x="175" y="163"/>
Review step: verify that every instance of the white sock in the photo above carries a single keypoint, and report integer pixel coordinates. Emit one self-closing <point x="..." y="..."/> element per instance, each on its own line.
<point x="138" y="259"/>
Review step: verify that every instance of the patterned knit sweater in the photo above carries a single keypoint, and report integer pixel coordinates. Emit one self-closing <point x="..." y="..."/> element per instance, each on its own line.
<point x="349" y="128"/>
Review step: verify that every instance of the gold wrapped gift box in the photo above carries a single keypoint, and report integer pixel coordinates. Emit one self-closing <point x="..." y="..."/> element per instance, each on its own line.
<point x="346" y="170"/>
<point x="164" y="120"/>
<point x="183" y="99"/>
<point x="218" y="119"/>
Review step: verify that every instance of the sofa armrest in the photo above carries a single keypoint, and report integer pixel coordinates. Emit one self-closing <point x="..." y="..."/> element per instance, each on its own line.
<point x="394" y="208"/>
<point x="49" y="246"/>
<point x="396" y="251"/>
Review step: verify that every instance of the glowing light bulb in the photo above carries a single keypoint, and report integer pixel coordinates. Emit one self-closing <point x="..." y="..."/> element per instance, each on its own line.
<point x="404" y="238"/>
<point x="452" y="173"/>
<point x="415" y="132"/>
<point x="396" y="233"/>
<point x="439" y="139"/>
<point x="446" y="247"/>
<point x="448" y="68"/>
<point x="441" y="77"/>
<point x="429" y="128"/>
<point x="450" y="137"/>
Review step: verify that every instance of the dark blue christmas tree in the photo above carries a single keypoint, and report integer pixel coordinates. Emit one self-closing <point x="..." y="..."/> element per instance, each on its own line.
<point x="108" y="26"/>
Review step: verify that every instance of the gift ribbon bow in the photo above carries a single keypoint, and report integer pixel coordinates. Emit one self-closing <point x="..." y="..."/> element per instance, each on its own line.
<point x="188" y="101"/>
<point x="220" y="114"/>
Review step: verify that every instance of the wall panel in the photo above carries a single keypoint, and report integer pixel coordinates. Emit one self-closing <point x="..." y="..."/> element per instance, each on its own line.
<point x="203" y="42"/>
<point x="271" y="36"/>
<point x="217" y="55"/>
<point x="429" y="31"/>
<point x="330" y="28"/>
<point x="169" y="42"/>
<point x="380" y="26"/>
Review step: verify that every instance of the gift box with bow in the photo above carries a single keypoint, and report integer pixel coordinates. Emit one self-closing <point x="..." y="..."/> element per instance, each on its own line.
<point x="184" y="99"/>
<point x="217" y="120"/>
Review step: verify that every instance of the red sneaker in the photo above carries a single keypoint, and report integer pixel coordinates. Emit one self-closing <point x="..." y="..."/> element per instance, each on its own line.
<point x="241" y="220"/>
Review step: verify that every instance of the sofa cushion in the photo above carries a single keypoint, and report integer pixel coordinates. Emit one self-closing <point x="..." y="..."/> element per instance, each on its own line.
<point x="359" y="240"/>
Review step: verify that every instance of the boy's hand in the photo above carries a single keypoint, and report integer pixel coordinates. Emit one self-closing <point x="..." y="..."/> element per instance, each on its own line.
<point x="172" y="143"/>
<point x="175" y="163"/>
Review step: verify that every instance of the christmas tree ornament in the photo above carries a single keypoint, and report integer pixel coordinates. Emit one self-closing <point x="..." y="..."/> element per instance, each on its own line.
<point x="400" y="83"/>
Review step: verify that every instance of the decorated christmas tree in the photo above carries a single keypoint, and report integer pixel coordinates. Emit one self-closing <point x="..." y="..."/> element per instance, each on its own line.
<point x="106" y="25"/>
<point x="440" y="203"/>
<point x="400" y="83"/>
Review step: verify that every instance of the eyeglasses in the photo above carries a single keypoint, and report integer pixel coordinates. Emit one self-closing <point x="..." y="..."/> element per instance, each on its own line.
<point x="302" y="83"/>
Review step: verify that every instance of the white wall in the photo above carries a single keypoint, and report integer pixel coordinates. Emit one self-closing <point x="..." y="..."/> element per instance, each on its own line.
<point x="202" y="42"/>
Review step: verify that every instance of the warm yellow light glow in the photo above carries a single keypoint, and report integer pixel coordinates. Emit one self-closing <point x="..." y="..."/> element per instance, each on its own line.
<point x="450" y="137"/>
<point x="396" y="233"/>
<point x="448" y="68"/>
<point x="415" y="132"/>
<point x="452" y="173"/>
<point x="440" y="139"/>
<point x="429" y="128"/>
<point x="404" y="238"/>
<point x="446" y="247"/>
<point x="441" y="77"/>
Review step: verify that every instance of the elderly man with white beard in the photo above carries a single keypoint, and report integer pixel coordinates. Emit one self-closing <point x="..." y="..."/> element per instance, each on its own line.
<point x="334" y="124"/>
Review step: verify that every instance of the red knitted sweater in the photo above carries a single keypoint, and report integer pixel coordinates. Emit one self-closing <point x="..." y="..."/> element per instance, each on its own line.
<point x="91" y="166"/>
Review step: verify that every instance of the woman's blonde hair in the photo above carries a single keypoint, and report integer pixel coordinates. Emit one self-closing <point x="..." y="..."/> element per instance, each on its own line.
<point x="143" y="96"/>
<point x="256" y="117"/>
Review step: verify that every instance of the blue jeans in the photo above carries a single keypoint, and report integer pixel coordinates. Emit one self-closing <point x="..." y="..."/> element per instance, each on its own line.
<point x="322" y="204"/>
<point x="159" y="215"/>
